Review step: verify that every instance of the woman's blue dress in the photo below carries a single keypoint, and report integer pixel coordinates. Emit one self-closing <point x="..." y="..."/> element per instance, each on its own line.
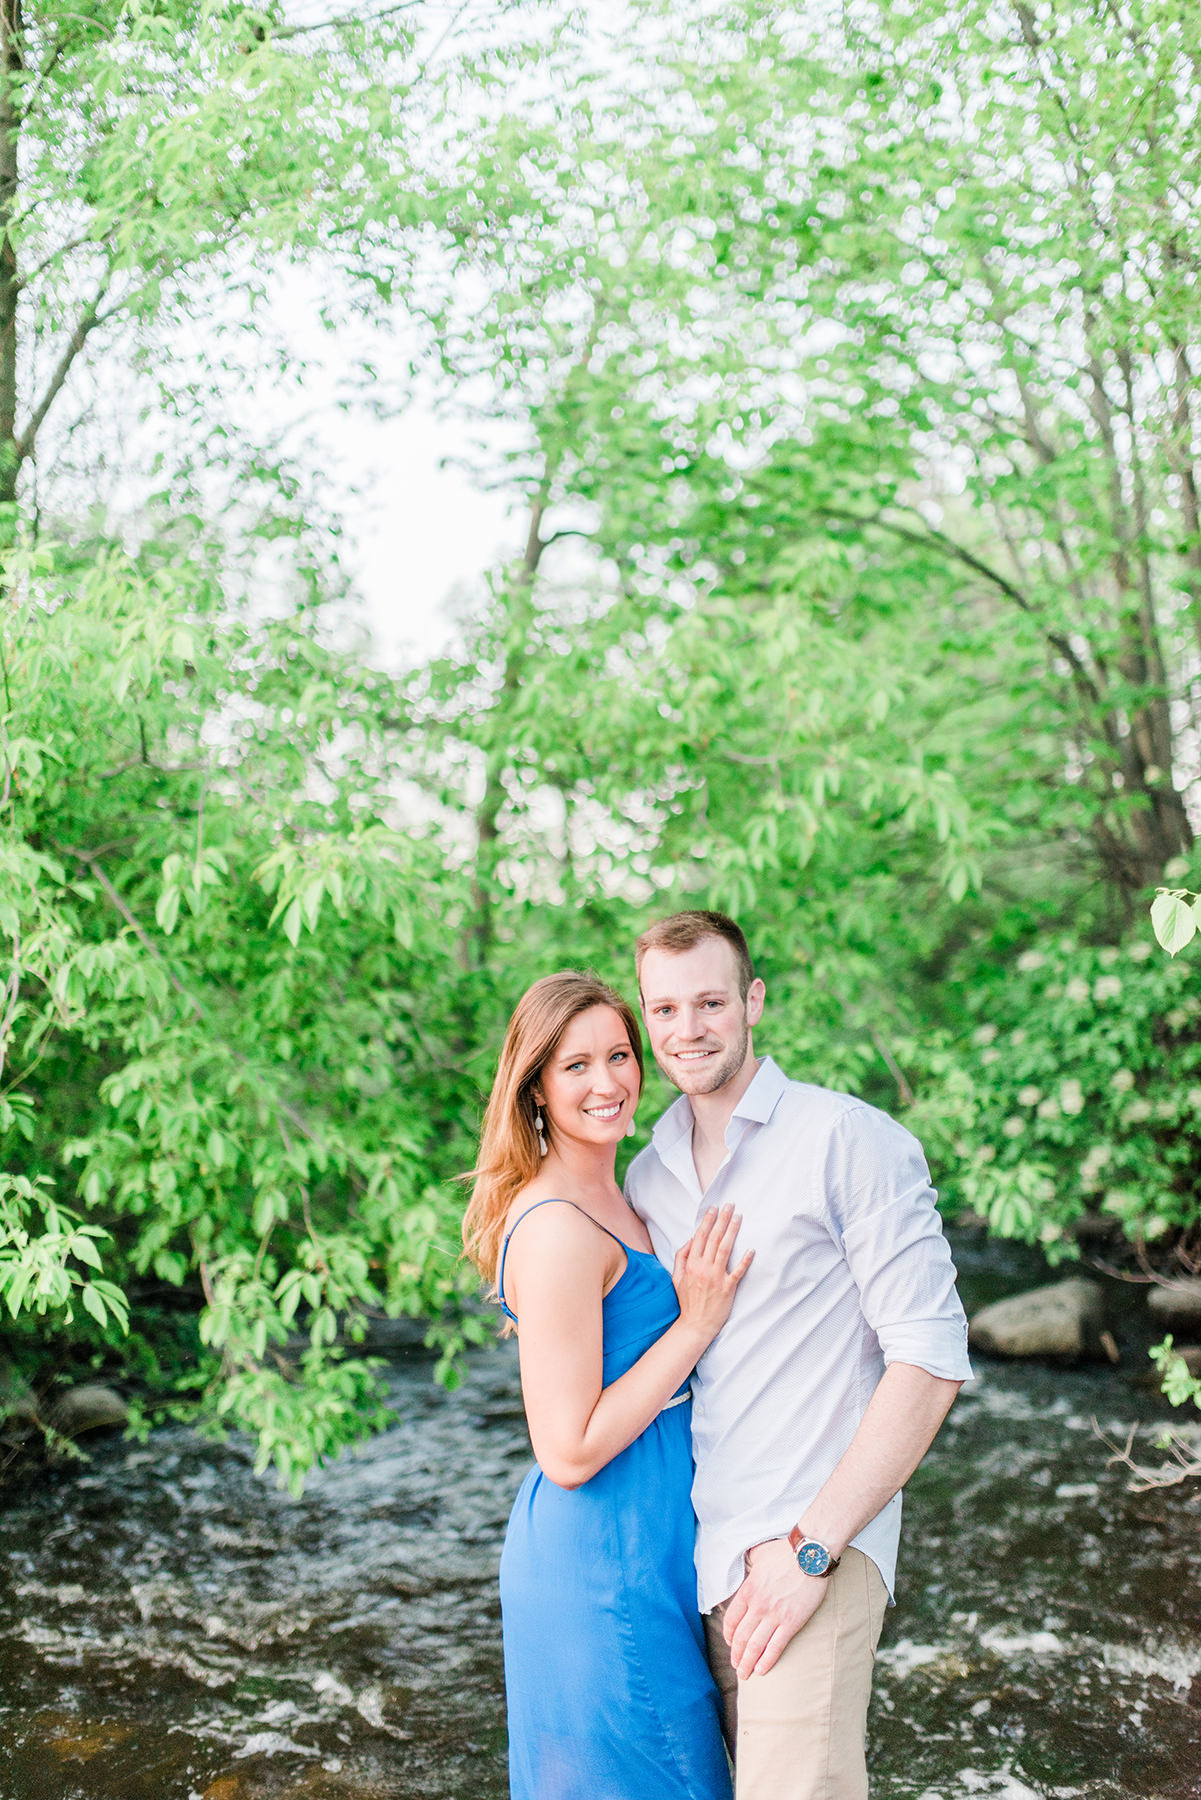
<point x="609" y="1693"/>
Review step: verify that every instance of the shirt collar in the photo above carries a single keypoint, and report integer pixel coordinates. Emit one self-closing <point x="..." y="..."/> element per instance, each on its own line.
<point x="758" y="1104"/>
<point x="670" y="1127"/>
<point x="763" y="1095"/>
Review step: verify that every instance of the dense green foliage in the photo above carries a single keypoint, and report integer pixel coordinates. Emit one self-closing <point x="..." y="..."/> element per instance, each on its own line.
<point x="231" y="1021"/>
<point x="853" y="423"/>
<point x="1080" y="1091"/>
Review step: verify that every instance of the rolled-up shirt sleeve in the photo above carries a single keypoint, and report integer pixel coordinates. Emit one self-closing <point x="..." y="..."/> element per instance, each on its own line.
<point x="882" y="1209"/>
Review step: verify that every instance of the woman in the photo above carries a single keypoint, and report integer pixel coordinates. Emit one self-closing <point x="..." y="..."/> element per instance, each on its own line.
<point x="609" y="1694"/>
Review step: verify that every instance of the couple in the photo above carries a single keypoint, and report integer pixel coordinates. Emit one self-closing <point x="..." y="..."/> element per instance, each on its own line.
<point x="774" y="1299"/>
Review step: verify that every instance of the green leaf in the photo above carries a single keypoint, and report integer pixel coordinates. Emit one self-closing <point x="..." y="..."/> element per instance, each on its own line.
<point x="1174" y="921"/>
<point x="81" y="1245"/>
<point x="310" y="900"/>
<point x="957" y="881"/>
<point x="94" y="1304"/>
<point x="166" y="911"/>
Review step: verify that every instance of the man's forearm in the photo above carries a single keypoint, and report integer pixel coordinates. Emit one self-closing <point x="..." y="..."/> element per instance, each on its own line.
<point x="776" y="1600"/>
<point x="900" y="1424"/>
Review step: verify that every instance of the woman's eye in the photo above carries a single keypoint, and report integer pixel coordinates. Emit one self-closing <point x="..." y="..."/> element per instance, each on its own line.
<point x="620" y="1056"/>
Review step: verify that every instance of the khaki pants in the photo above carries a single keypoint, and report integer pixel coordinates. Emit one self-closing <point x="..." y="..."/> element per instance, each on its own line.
<point x="799" y="1732"/>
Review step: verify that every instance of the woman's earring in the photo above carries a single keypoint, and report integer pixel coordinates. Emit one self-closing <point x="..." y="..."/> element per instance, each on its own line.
<point x="538" y="1129"/>
<point x="632" y="1127"/>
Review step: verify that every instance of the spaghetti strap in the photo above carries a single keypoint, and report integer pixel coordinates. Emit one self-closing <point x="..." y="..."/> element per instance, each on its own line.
<point x="504" y="1251"/>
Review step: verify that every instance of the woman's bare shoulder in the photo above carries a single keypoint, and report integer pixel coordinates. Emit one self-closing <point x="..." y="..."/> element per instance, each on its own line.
<point x="557" y="1250"/>
<point x="556" y="1229"/>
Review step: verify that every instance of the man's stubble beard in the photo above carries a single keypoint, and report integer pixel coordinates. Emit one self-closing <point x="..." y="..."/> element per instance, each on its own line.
<point x="714" y="1079"/>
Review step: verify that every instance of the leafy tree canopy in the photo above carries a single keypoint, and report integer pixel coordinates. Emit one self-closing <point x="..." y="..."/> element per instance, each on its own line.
<point x="849" y="371"/>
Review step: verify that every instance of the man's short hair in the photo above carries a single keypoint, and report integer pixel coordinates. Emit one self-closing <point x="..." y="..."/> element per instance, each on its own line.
<point x="685" y="930"/>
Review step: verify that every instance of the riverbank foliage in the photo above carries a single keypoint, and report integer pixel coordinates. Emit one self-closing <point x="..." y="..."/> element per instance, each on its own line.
<point x="848" y="384"/>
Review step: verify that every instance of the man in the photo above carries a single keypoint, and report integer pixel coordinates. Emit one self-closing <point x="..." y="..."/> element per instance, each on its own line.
<point x="844" y="1351"/>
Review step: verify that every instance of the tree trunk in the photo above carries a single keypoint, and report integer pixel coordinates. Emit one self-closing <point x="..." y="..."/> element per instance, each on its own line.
<point x="1183" y="458"/>
<point x="518" y="603"/>
<point x="10" y="68"/>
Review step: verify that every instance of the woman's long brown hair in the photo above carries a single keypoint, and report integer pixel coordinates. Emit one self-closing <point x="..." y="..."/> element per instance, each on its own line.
<point x="509" y="1152"/>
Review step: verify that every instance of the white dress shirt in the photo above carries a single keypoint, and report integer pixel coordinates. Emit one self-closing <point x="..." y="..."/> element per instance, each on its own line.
<point x="851" y="1273"/>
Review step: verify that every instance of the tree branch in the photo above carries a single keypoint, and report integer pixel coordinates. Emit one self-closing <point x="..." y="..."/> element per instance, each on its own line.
<point x="10" y="994"/>
<point x="76" y="243"/>
<point x="93" y="863"/>
<point x="930" y="538"/>
<point x="904" y="1091"/>
<point x="1184" y="1454"/>
<point x="87" y="322"/>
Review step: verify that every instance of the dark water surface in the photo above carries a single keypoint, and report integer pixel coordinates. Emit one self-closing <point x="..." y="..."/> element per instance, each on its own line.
<point x="172" y="1628"/>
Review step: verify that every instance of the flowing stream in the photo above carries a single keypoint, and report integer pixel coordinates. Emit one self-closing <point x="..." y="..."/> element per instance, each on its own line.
<point x="174" y="1628"/>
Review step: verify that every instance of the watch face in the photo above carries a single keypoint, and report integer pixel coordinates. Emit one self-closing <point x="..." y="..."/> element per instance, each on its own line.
<point x="813" y="1558"/>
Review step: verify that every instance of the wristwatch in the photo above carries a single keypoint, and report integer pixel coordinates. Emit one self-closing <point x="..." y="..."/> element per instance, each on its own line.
<point x="812" y="1557"/>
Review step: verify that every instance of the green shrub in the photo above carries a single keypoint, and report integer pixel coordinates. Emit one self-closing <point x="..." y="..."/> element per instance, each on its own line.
<point x="1078" y="1092"/>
